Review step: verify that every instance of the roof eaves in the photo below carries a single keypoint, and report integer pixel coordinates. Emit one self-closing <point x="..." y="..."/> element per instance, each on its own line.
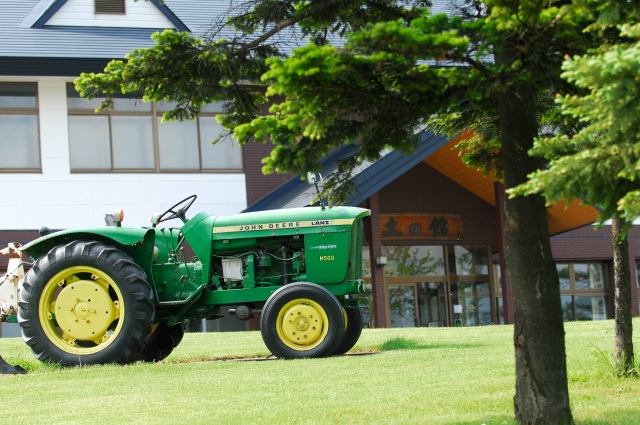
<point x="277" y="193"/>
<point x="296" y="184"/>
<point x="392" y="166"/>
<point x="370" y="178"/>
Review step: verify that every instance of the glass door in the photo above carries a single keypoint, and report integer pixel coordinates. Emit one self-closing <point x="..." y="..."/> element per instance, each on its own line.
<point x="417" y="304"/>
<point x="432" y="304"/>
<point x="471" y="303"/>
<point x="403" y="305"/>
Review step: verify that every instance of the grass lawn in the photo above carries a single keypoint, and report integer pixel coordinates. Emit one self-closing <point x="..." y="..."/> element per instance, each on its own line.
<point x="393" y="376"/>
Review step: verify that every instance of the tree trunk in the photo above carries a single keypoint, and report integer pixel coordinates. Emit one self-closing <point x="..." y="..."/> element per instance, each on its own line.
<point x="622" y="296"/>
<point x="542" y="395"/>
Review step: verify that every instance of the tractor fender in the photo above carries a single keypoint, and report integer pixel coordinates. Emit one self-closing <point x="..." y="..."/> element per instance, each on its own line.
<point x="139" y="243"/>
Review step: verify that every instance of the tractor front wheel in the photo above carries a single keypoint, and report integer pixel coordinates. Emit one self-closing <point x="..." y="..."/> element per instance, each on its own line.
<point x="86" y="302"/>
<point x="302" y="320"/>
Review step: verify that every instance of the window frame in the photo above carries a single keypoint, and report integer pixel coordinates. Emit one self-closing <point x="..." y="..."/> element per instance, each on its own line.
<point x="35" y="111"/>
<point x="154" y="114"/>
<point x="572" y="280"/>
<point x="574" y="309"/>
<point x="574" y="292"/>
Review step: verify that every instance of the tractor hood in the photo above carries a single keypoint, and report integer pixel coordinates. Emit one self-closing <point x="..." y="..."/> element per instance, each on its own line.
<point x="294" y="218"/>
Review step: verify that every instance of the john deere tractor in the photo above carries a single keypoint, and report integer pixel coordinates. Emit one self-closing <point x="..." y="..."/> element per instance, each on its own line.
<point x="118" y="295"/>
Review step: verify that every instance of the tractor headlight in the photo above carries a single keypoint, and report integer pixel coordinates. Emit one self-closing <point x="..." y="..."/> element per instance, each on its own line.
<point x="155" y="217"/>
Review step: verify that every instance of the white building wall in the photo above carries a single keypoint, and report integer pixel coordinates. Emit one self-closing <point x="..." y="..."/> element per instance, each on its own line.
<point x="58" y="199"/>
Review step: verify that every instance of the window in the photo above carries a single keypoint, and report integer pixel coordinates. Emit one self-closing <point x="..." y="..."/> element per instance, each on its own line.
<point x="414" y="260"/>
<point x="469" y="260"/>
<point x="473" y="303"/>
<point x="111" y="7"/>
<point x="588" y="276"/>
<point x="366" y="262"/>
<point x="132" y="137"/>
<point x="367" y="319"/>
<point x="564" y="275"/>
<point x="583" y="290"/>
<point x="580" y="276"/>
<point x="584" y="307"/>
<point x="19" y="144"/>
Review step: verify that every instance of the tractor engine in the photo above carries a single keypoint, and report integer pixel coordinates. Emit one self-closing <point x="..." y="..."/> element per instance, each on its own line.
<point x="276" y="264"/>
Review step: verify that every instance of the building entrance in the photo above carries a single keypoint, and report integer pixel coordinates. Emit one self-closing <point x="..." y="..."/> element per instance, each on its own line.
<point x="435" y="286"/>
<point x="436" y="304"/>
<point x="417" y="304"/>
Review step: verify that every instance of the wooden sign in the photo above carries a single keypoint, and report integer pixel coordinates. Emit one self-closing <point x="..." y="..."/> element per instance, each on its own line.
<point x="421" y="226"/>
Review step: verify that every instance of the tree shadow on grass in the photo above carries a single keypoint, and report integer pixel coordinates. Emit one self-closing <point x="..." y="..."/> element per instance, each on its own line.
<point x="619" y="417"/>
<point x="397" y="343"/>
<point x="491" y="420"/>
<point x="262" y="358"/>
<point x="627" y="416"/>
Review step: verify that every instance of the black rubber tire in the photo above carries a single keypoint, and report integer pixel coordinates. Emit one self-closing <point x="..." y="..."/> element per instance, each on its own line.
<point x="319" y="325"/>
<point x="80" y="268"/>
<point x="161" y="342"/>
<point x="352" y="332"/>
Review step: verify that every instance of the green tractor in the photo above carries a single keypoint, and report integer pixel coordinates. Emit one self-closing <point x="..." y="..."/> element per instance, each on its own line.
<point x="119" y="295"/>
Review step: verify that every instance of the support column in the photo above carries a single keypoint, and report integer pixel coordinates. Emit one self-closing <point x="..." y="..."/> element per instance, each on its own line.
<point x="508" y="302"/>
<point x="377" y="273"/>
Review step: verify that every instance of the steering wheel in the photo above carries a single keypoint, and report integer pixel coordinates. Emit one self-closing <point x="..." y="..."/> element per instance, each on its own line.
<point x="175" y="212"/>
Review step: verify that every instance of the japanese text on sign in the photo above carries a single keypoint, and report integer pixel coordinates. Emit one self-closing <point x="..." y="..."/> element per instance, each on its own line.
<point x="421" y="226"/>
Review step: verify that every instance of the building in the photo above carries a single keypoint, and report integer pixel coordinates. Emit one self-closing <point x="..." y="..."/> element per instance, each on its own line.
<point x="435" y="246"/>
<point x="435" y="223"/>
<point x="62" y="165"/>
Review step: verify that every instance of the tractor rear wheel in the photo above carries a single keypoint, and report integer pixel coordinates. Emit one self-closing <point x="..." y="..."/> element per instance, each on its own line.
<point x="162" y="341"/>
<point x="86" y="302"/>
<point x="352" y="331"/>
<point x="302" y="320"/>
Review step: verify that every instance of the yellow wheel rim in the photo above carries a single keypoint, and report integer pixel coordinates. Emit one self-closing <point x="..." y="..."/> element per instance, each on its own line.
<point x="302" y="324"/>
<point x="81" y="310"/>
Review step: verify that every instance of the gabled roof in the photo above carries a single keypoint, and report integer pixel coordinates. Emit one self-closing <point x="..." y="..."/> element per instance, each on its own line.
<point x="562" y="216"/>
<point x="369" y="177"/>
<point x="437" y="152"/>
<point x="65" y="38"/>
<point x="47" y="9"/>
<point x="25" y="32"/>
